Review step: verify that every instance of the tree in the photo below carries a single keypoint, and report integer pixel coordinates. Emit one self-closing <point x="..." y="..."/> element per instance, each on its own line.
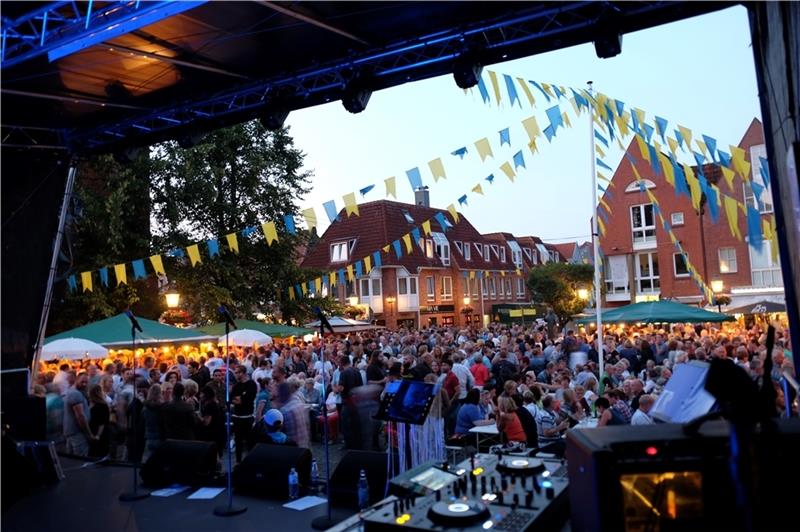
<point x="555" y="284"/>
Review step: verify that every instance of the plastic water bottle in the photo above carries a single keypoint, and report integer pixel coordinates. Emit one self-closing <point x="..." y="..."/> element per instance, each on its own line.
<point x="363" y="491"/>
<point x="294" y="484"/>
<point x="314" y="473"/>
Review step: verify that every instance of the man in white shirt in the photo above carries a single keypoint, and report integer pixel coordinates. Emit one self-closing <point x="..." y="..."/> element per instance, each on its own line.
<point x="641" y="416"/>
<point x="465" y="379"/>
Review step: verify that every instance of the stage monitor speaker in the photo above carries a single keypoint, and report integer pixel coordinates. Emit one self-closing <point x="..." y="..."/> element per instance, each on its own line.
<point x="684" y="398"/>
<point x="344" y="481"/>
<point x="43" y="455"/>
<point x="25" y="417"/>
<point x="265" y="470"/>
<point x="180" y="462"/>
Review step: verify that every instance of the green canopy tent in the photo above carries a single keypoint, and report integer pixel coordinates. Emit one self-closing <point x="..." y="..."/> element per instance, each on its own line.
<point x="116" y="332"/>
<point x="272" y="329"/>
<point x="657" y="312"/>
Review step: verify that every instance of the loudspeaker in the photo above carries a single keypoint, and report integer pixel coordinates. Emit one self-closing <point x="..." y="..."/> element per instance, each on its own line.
<point x="265" y="469"/>
<point x="42" y="454"/>
<point x="25" y="417"/>
<point x="344" y="481"/>
<point x="180" y="462"/>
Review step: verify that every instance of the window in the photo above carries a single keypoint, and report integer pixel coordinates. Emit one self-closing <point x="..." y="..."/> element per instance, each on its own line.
<point x="615" y="271"/>
<point x="492" y="288"/>
<point x="636" y="186"/>
<point x="429" y="248"/>
<point x="764" y="271"/>
<point x="402" y="286"/>
<point x="556" y="256"/>
<point x="431" y="285"/>
<point x="465" y="289"/>
<point x="480" y="249"/>
<point x="408" y="217"/>
<point x="467" y="252"/>
<point x="520" y="288"/>
<point x="643" y="226"/>
<point x="501" y="290"/>
<point x="544" y="255"/>
<point x="442" y="247"/>
<point x="727" y="260"/>
<point x="484" y="288"/>
<point x="679" y="263"/>
<point x="412" y="286"/>
<point x="764" y="202"/>
<point x="376" y="288"/>
<point x="508" y="289"/>
<point x="474" y="288"/>
<point x="447" y="288"/>
<point x="486" y="255"/>
<point x="495" y="250"/>
<point x="676" y="218"/>
<point x="459" y="246"/>
<point x="349" y="289"/>
<point x="364" y="288"/>
<point x="647" y="278"/>
<point x="339" y="252"/>
<point x="529" y="255"/>
<point x="502" y="254"/>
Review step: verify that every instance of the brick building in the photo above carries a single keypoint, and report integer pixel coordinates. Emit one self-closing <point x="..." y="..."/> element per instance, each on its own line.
<point x="451" y="278"/>
<point x="642" y="263"/>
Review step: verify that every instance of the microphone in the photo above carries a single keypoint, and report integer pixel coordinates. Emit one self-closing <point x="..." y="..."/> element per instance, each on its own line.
<point x="323" y="321"/>
<point x="134" y="321"/>
<point x="227" y="315"/>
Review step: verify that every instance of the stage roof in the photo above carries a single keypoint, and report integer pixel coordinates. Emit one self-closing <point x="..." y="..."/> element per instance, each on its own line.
<point x="107" y="76"/>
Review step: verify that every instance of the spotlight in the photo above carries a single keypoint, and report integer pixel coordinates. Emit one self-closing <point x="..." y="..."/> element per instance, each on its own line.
<point x="189" y="141"/>
<point x="273" y="117"/>
<point x="356" y="95"/>
<point x="467" y="70"/>
<point x="128" y="155"/>
<point x="608" y="39"/>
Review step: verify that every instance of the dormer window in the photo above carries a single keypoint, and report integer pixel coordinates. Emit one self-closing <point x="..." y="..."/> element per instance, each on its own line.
<point x="486" y="254"/>
<point x="502" y="254"/>
<point x="467" y="251"/>
<point x="442" y="248"/>
<point x="408" y="217"/>
<point x="340" y="251"/>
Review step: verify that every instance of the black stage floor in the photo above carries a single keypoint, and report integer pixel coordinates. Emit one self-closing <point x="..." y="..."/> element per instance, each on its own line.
<point x="86" y="501"/>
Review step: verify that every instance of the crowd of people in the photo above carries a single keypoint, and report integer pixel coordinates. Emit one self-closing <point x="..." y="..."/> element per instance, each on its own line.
<point x="531" y="383"/>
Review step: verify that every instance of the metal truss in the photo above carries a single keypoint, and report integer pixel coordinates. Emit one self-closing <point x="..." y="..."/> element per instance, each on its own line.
<point x="32" y="137"/>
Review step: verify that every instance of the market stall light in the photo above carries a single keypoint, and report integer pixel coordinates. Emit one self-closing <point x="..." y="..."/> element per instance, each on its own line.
<point x="583" y="293"/>
<point x="173" y="299"/>
<point x="717" y="286"/>
<point x="353" y="300"/>
<point x="466" y="300"/>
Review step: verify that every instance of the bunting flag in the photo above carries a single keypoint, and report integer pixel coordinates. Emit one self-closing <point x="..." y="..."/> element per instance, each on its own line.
<point x="694" y="186"/>
<point x="484" y="148"/>
<point x="359" y="269"/>
<point x="104" y="274"/>
<point x="490" y="179"/>
<point x="535" y="84"/>
<point x="548" y="89"/>
<point x="505" y="136"/>
<point x="754" y="235"/>
<point x="764" y="166"/>
<point x="484" y="92"/>
<point x="601" y="226"/>
<point x="72" y="283"/>
<point x="350" y="275"/>
<point x="512" y="90"/>
<point x="666" y="167"/>
<point x="397" y="248"/>
<point x="440" y="218"/>
<point x="86" y="281"/>
<point x="678" y="138"/>
<point x="291" y="294"/>
<point x="462" y="200"/>
<point x="407" y="241"/>
<point x="367" y="264"/>
<point x="527" y="91"/>
<point x="155" y="260"/>
<point x="386" y="249"/>
<point x="603" y="165"/>
<point x="461" y="152"/>
<point x="556" y="119"/>
<point x="477" y="189"/>
<point x="532" y="146"/>
<point x="703" y="148"/>
<point x="724" y="158"/>
<point x="310" y="217"/>
<point x="390" y="187"/>
<point x="643" y="149"/>
<point x="519" y="160"/>
<point x="661" y="127"/>
<point x="426" y="227"/>
<point x="506" y="168"/>
<point x="318" y="285"/>
<point x="414" y="178"/>
<point x="288" y="221"/>
<point x="376" y="258"/>
<point x="138" y="269"/>
<point x="549" y="133"/>
<point x="417" y="237"/>
<point x="332" y="279"/>
<point x="599" y="151"/>
<point x="340" y="277"/>
<point x="364" y="191"/>
<point x="233" y="243"/>
<point x="728" y="174"/>
<point x="601" y="138"/>
<point x="120" y="274"/>
<point x="686" y="135"/>
<point x="437" y="169"/>
<point x="213" y="247"/>
<point x="350" y="205"/>
<point x="270" y="232"/>
<point x="565" y="119"/>
<point x="495" y="86"/>
<point x="194" y="254"/>
<point x="531" y="128"/>
<point x="331" y="211"/>
<point x="453" y="212"/>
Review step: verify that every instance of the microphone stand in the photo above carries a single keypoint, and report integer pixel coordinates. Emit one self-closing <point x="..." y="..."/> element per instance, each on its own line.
<point x="324" y="522"/>
<point x="135" y="495"/>
<point x="228" y="510"/>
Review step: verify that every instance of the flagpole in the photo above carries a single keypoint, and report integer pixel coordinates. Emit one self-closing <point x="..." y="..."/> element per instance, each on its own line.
<point x="598" y="306"/>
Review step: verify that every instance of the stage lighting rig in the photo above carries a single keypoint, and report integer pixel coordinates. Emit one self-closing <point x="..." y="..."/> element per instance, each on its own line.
<point x="356" y="94"/>
<point x="467" y="70"/>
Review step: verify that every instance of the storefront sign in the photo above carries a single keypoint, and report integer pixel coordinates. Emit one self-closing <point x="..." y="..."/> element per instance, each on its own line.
<point x="435" y="309"/>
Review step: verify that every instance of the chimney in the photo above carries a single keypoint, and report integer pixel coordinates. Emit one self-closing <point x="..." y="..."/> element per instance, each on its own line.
<point x="422" y="197"/>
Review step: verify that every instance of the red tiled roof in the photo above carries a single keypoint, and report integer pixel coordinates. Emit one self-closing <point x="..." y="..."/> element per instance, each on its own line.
<point x="565" y="250"/>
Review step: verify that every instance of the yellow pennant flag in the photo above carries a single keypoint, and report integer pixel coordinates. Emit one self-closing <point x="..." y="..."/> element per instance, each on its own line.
<point x="602" y="226"/>
<point x="318" y="285"/>
<point x="519" y="272"/>
<point x="602" y="177"/>
<point x="774" y="239"/>
<point x="622" y="124"/>
<point x="575" y="108"/>
<point x="495" y="86"/>
<point x="669" y="171"/>
<point x="531" y="128"/>
<point x="437" y="169"/>
<point x="565" y="118"/>
<point x="350" y="275"/>
<point x="291" y="293"/>
<point x="270" y="232"/>
<point x="636" y="172"/>
<point x="484" y="148"/>
<point x="453" y="212"/>
<point x="604" y="204"/>
<point x="350" y="205"/>
<point x="548" y="90"/>
<point x="407" y="240"/>
<point x="508" y="170"/>
<point x="728" y="174"/>
<point x="643" y="148"/>
<point x="390" y="187"/>
<point x="686" y="133"/>
<point x="367" y="264"/>
<point x="426" y="227"/>
<point x="673" y="238"/>
<point x="533" y="147"/>
<point x="310" y="217"/>
<point x="194" y="254"/>
<point x="472" y="274"/>
<point x="386" y="248"/>
<point x="527" y="90"/>
<point x="502" y="273"/>
<point x="303" y="288"/>
<point x="702" y="146"/>
<point x="599" y="151"/>
<point x="741" y="166"/>
<point x="86" y="280"/>
<point x="233" y="243"/>
<point x="673" y="145"/>
<point x="619" y="143"/>
<point x="158" y="265"/>
<point x="694" y="186"/>
<point x="119" y="272"/>
<point x="477" y="189"/>
<point x="332" y="278"/>
<point x="639" y="115"/>
<point x="732" y="212"/>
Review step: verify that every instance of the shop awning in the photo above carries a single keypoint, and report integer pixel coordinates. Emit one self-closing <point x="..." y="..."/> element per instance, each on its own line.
<point x="116" y="332"/>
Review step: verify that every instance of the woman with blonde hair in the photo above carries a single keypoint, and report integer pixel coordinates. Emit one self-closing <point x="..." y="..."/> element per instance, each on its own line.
<point x="99" y="420"/>
<point x="508" y="422"/>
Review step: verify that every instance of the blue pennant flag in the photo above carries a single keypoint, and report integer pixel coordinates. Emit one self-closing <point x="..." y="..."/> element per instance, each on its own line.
<point x="415" y="235"/>
<point x="558" y="92"/>
<point x="512" y="90"/>
<point x="326" y="281"/>
<point x="757" y="191"/>
<point x="104" y="276"/>
<point x="603" y="215"/>
<point x="247" y="231"/>
<point x="480" y="274"/>
<point x="439" y="217"/>
<point x="554" y="114"/>
<point x="178" y="253"/>
<point x="519" y="160"/>
<point x="484" y="92"/>
<point x="680" y="180"/>
<point x="359" y="269"/>
<point x="620" y="107"/>
<point x="288" y="221"/>
<point x="311" y="287"/>
<point x="635" y="120"/>
<point x="465" y="273"/>
<point x="546" y="96"/>
<point x="505" y="137"/>
<point x="601" y="138"/>
<point x="724" y="158"/>
<point x="330" y="210"/>
<point x="667" y="226"/>
<point x="608" y="194"/>
<point x="678" y="137"/>
<point x="648" y="132"/>
<point x="398" y="250"/>
<point x="579" y="99"/>
<point x="711" y="144"/>
<point x="298" y="290"/>
<point x="213" y="247"/>
<point x="713" y="208"/>
<point x="643" y="187"/>
<point x="549" y="133"/>
<point x="631" y="158"/>
<point x="340" y="276"/>
<point x="764" y="165"/>
<point x="700" y="159"/>
<point x="462" y="200"/>
<point x="755" y="237"/>
<point x="365" y="190"/>
<point x="654" y="159"/>
<point x="490" y="179"/>
<point x="414" y="178"/>
<point x="601" y="189"/>
<point x="72" y="283"/>
<point x="376" y="260"/>
<point x="661" y="127"/>
<point x="138" y="269"/>
<point x="601" y="164"/>
<point x="461" y="152"/>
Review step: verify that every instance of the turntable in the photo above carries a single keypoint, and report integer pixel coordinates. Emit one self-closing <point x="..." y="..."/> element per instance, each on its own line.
<point x="459" y="514"/>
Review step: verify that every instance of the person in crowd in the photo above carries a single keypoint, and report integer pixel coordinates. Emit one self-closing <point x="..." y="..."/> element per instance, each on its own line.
<point x="99" y="422"/>
<point x="269" y="429"/>
<point x="54" y="408"/>
<point x="295" y="417"/>
<point x="190" y="390"/>
<point x="642" y="414"/>
<point x="153" y="422"/>
<point x="77" y="431"/>
<point x="479" y="371"/>
<point x="243" y="396"/>
<point x="178" y="416"/>
<point x="549" y="428"/>
<point x="212" y="419"/>
<point x="508" y="422"/>
<point x="606" y="414"/>
<point x="470" y="414"/>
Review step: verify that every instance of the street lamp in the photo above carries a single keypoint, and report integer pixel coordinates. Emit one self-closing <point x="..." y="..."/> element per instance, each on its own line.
<point x="353" y="300"/>
<point x="717" y="286"/>
<point x="583" y="293"/>
<point x="466" y="300"/>
<point x="173" y="299"/>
